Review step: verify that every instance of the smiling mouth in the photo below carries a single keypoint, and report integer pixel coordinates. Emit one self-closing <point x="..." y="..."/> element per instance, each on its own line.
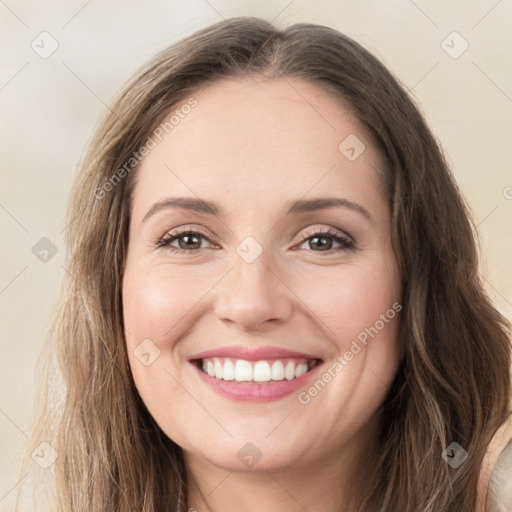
<point x="257" y="372"/>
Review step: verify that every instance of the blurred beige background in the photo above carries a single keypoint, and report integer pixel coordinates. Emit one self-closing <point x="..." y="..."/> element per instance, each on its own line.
<point x="50" y="104"/>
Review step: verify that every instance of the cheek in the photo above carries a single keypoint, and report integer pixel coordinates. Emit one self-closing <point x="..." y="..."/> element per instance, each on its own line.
<point x="351" y="299"/>
<point x="157" y="299"/>
<point x="359" y="308"/>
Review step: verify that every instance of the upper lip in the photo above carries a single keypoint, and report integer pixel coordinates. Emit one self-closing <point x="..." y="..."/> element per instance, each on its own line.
<point x="252" y="354"/>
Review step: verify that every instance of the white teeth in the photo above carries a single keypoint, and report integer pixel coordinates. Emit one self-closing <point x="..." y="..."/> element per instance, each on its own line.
<point x="243" y="371"/>
<point x="239" y="370"/>
<point x="277" y="370"/>
<point x="262" y="372"/>
<point x="229" y="371"/>
<point x="289" y="371"/>
<point x="218" y="368"/>
<point x="301" y="369"/>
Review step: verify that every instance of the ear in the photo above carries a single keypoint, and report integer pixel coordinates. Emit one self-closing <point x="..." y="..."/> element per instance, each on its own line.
<point x="495" y="482"/>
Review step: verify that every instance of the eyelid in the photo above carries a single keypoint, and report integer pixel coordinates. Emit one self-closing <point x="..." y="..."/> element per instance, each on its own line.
<point x="329" y="230"/>
<point x="186" y="229"/>
<point x="341" y="237"/>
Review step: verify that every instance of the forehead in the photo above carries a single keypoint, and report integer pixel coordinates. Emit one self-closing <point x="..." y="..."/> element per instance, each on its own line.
<point x="258" y="138"/>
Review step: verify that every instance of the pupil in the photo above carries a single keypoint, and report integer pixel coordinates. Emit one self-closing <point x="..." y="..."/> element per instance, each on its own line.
<point x="321" y="245"/>
<point x="189" y="238"/>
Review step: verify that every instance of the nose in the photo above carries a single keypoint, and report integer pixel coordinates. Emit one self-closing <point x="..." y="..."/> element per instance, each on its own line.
<point x="253" y="294"/>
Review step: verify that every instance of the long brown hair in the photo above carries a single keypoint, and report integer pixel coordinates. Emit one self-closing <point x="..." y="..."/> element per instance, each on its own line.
<point x="453" y="384"/>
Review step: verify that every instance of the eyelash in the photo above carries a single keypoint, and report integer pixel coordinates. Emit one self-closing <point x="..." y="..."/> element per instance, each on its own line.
<point x="346" y="243"/>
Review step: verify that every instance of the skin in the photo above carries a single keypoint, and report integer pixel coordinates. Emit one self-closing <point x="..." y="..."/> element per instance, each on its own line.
<point x="252" y="145"/>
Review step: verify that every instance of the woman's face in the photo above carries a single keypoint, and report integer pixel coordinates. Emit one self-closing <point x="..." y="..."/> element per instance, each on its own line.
<point x="223" y="321"/>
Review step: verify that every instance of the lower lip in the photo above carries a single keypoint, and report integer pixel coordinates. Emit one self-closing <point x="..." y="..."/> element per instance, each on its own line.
<point x="251" y="392"/>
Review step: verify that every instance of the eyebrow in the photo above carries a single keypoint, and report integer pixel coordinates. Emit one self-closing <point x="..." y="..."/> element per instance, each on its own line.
<point x="297" y="207"/>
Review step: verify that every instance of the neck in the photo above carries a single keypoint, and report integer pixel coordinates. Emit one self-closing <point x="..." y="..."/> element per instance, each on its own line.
<point x="332" y="482"/>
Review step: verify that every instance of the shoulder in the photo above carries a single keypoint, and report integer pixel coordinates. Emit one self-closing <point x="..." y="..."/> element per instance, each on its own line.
<point x="495" y="482"/>
<point x="499" y="495"/>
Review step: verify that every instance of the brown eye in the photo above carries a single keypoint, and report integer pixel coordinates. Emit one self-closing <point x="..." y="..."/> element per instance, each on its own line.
<point x="188" y="241"/>
<point x="322" y="241"/>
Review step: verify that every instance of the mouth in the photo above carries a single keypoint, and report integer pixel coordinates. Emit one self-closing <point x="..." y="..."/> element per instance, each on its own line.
<point x="258" y="375"/>
<point x="255" y="372"/>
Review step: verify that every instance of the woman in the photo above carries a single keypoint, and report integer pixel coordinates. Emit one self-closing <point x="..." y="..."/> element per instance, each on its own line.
<point x="210" y="358"/>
